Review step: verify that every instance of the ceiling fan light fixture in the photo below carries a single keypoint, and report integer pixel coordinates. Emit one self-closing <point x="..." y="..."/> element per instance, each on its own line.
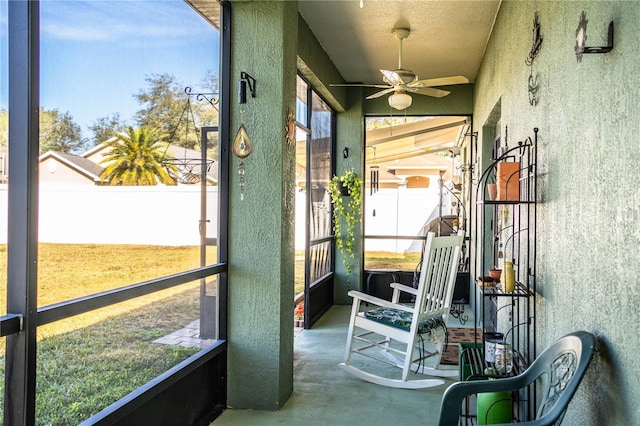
<point x="400" y="101"/>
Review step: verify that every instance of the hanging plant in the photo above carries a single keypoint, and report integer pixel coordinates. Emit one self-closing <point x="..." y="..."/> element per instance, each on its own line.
<point x="346" y="198"/>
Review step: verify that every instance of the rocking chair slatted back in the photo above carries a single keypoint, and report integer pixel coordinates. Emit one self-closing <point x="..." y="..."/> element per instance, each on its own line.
<point x="437" y="275"/>
<point x="407" y="336"/>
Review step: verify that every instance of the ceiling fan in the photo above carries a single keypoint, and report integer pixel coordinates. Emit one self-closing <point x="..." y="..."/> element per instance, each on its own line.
<point x="401" y="81"/>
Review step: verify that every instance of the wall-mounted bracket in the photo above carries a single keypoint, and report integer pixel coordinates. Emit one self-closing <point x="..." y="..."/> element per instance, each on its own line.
<point x="246" y="80"/>
<point x="581" y="39"/>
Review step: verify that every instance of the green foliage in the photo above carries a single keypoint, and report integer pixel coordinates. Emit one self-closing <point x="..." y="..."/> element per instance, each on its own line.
<point x="4" y="127"/>
<point x="105" y="128"/>
<point x="164" y="107"/>
<point x="136" y="158"/>
<point x="58" y="132"/>
<point x="346" y="209"/>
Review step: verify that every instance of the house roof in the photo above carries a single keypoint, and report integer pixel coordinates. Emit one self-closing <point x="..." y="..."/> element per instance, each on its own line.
<point x="78" y="163"/>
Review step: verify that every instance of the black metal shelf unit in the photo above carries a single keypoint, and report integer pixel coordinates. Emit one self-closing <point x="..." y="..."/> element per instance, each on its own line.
<point x="505" y="230"/>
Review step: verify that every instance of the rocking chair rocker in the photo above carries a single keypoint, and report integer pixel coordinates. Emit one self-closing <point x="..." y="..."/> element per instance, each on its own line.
<point x="398" y="334"/>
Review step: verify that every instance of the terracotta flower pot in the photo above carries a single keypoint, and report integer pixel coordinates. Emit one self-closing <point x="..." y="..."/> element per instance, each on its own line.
<point x="492" y="188"/>
<point x="495" y="274"/>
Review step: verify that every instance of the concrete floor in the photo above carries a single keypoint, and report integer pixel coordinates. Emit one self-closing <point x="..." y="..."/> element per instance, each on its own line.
<point x="324" y="394"/>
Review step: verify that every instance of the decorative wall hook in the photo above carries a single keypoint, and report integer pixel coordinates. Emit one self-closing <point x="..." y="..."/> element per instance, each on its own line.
<point x="207" y="96"/>
<point x="581" y="39"/>
<point x="246" y="80"/>
<point x="536" y="41"/>
<point x="290" y="127"/>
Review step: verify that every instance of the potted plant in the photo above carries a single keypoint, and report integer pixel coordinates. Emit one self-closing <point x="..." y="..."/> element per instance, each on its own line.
<point x="346" y="211"/>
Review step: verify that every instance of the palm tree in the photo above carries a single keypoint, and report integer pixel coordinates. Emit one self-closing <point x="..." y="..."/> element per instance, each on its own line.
<point x="136" y="158"/>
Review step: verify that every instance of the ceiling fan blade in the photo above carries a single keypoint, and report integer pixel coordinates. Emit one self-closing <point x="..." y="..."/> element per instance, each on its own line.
<point x="377" y="86"/>
<point x="442" y="81"/>
<point x="391" y="77"/>
<point x="429" y="91"/>
<point x="380" y="93"/>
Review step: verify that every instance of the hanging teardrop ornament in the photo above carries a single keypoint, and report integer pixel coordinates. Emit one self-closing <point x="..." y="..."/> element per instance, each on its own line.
<point x="241" y="179"/>
<point x="242" y="144"/>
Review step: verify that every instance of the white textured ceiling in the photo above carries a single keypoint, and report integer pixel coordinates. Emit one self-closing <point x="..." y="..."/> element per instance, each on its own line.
<point x="447" y="37"/>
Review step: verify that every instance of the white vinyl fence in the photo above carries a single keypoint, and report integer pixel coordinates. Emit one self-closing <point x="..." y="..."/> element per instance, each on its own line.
<point x="146" y="215"/>
<point x="170" y="215"/>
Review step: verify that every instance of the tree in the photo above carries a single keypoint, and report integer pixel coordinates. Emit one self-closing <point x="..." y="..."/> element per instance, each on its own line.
<point x="136" y="158"/>
<point x="167" y="107"/>
<point x="58" y="132"/>
<point x="4" y="127"/>
<point x="105" y="128"/>
<point x="163" y="107"/>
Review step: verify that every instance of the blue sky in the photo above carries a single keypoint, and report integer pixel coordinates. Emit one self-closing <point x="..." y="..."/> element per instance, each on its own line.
<point x="95" y="55"/>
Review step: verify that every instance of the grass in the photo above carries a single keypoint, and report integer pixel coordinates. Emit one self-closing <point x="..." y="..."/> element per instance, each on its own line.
<point x="83" y="371"/>
<point x="388" y="260"/>
<point x="89" y="361"/>
<point x="67" y="271"/>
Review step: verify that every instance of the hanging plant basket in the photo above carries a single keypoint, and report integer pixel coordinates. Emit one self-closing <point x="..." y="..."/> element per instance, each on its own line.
<point x="346" y="198"/>
<point x="343" y="189"/>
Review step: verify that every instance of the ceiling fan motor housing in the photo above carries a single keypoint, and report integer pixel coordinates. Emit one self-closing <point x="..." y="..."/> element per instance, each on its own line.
<point x="405" y="76"/>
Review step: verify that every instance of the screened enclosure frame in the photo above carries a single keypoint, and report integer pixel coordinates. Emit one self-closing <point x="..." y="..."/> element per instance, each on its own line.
<point x="23" y="316"/>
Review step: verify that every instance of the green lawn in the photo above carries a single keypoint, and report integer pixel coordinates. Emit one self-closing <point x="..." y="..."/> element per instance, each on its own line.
<point x="89" y="361"/>
<point x="83" y="371"/>
<point x="388" y="260"/>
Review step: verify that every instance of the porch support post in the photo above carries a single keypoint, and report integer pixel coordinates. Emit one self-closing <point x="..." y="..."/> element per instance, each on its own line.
<point x="261" y="214"/>
<point x="22" y="237"/>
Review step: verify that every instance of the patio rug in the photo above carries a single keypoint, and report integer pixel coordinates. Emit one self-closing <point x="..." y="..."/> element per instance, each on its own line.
<point x="457" y="335"/>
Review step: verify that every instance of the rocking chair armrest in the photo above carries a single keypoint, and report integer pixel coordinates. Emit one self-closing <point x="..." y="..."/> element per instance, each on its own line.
<point x="359" y="296"/>
<point x="404" y="288"/>
<point x="457" y="392"/>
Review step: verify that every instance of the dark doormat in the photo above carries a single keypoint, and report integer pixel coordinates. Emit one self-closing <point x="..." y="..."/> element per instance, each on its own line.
<point x="458" y="335"/>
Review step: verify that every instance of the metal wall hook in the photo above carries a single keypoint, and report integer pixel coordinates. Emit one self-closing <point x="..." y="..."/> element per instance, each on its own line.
<point x="602" y="49"/>
<point x="246" y="80"/>
<point x="581" y="39"/>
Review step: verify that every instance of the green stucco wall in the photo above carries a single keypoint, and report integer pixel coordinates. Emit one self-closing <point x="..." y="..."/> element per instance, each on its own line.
<point x="589" y="212"/>
<point x="350" y="134"/>
<point x="458" y="102"/>
<point x="316" y="67"/>
<point x="261" y="226"/>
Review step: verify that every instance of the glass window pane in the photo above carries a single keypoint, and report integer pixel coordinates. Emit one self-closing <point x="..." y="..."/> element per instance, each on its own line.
<point x="4" y="152"/>
<point x="391" y="253"/>
<point x="4" y="207"/>
<point x="319" y="261"/>
<point x="320" y="165"/>
<point x="88" y="362"/>
<point x="301" y="202"/>
<point x="301" y="101"/>
<point x="412" y="170"/>
<point x="107" y="219"/>
<point x="3" y="351"/>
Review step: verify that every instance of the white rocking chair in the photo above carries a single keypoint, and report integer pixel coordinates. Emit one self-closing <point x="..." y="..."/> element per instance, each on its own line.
<point x="399" y="334"/>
